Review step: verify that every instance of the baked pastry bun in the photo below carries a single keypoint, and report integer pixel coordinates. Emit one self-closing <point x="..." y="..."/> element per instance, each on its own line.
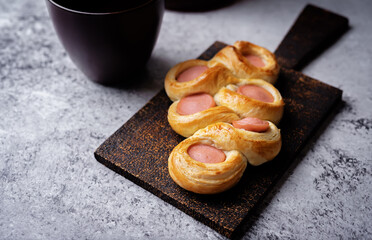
<point x="187" y="125"/>
<point x="220" y="157"/>
<point x="252" y="98"/>
<point x="243" y="60"/>
<point x="245" y="98"/>
<point x="208" y="80"/>
<point x="247" y="60"/>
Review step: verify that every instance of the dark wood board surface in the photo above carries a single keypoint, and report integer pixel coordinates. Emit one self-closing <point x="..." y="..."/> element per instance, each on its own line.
<point x="139" y="150"/>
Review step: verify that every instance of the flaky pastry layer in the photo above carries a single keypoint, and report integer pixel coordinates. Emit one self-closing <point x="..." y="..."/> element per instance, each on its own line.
<point x="225" y="67"/>
<point x="233" y="58"/>
<point x="231" y="106"/>
<point x="240" y="147"/>
<point x="209" y="82"/>
<point x="245" y="106"/>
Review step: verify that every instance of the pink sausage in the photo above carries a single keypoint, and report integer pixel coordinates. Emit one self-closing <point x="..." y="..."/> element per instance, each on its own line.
<point x="255" y="60"/>
<point x="251" y="124"/>
<point x="256" y="92"/>
<point x="195" y="103"/>
<point x="191" y="73"/>
<point x="206" y="153"/>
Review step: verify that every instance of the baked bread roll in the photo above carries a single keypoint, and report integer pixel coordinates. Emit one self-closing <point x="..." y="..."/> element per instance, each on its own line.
<point x="230" y="106"/>
<point x="239" y="147"/>
<point x="247" y="60"/>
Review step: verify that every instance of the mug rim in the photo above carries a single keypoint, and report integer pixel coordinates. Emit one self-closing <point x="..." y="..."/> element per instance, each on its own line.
<point x="100" y="13"/>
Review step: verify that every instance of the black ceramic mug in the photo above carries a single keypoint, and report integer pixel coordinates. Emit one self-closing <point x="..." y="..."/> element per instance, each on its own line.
<point x="108" y="40"/>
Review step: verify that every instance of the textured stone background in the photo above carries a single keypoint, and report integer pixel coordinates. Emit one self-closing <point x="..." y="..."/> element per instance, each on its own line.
<point x="52" y="118"/>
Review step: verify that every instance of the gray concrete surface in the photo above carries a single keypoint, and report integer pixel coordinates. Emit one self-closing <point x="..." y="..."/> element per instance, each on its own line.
<point x="52" y="118"/>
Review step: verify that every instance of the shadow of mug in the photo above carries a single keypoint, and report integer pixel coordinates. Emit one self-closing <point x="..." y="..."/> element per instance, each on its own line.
<point x="108" y="40"/>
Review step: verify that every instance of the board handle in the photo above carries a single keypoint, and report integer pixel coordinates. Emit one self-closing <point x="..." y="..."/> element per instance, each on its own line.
<point x="314" y="30"/>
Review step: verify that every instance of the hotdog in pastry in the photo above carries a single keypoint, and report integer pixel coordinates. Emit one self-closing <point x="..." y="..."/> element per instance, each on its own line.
<point x="246" y="98"/>
<point x="214" y="158"/>
<point x="247" y="60"/>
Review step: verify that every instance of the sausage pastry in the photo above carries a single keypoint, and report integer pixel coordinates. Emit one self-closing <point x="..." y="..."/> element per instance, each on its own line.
<point x="242" y="60"/>
<point x="214" y="158"/>
<point x="247" y="60"/>
<point x="195" y="76"/>
<point x="242" y="98"/>
<point x="228" y="108"/>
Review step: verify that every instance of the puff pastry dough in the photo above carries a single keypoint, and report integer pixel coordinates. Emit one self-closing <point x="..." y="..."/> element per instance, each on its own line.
<point x="249" y="107"/>
<point x="231" y="106"/>
<point x="240" y="147"/>
<point x="228" y="72"/>
<point x="209" y="82"/>
<point x="233" y="58"/>
<point x="226" y="67"/>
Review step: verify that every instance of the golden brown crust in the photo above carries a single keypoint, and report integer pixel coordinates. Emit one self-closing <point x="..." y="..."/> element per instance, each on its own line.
<point x="231" y="106"/>
<point x="226" y="72"/>
<point x="186" y="125"/>
<point x="248" y="107"/>
<point x="240" y="147"/>
<point x="232" y="57"/>
<point x="209" y="82"/>
<point x="226" y="64"/>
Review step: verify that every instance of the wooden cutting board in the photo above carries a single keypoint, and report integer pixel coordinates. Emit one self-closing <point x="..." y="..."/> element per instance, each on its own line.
<point x="139" y="150"/>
